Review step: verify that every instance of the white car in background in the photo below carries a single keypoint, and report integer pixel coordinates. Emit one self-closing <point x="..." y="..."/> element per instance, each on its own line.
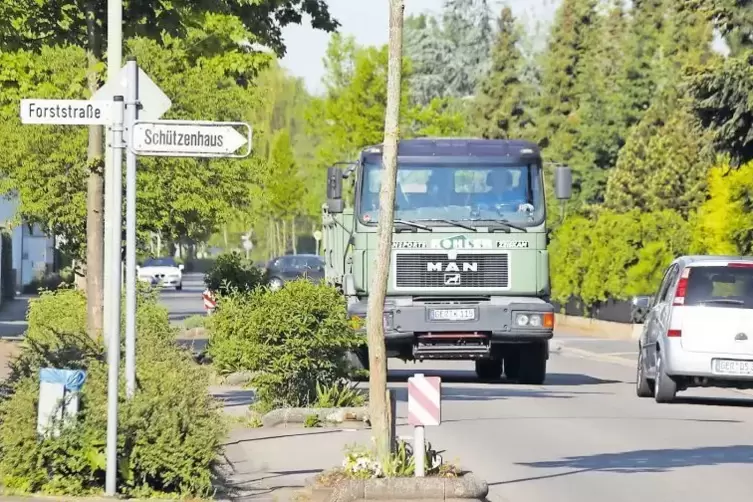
<point x="698" y="331"/>
<point x="164" y="272"/>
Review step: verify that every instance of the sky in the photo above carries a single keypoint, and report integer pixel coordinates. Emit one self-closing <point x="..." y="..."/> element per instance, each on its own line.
<point x="367" y="20"/>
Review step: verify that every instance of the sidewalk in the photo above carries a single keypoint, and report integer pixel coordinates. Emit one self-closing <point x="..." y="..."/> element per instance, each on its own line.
<point x="273" y="464"/>
<point x="12" y="326"/>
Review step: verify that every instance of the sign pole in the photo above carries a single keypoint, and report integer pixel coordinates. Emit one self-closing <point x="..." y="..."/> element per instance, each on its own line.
<point x="114" y="59"/>
<point x="132" y="111"/>
<point x="113" y="287"/>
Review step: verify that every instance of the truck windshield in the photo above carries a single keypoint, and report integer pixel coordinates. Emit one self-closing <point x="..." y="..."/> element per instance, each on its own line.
<point x="461" y="192"/>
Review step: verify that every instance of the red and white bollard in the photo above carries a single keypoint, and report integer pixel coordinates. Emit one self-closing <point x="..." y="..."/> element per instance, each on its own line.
<point x="210" y="303"/>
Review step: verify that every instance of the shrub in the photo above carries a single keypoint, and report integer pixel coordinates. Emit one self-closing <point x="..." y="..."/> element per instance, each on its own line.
<point x="615" y="255"/>
<point x="44" y="281"/>
<point x="292" y="339"/>
<point x="169" y="434"/>
<point x="232" y="272"/>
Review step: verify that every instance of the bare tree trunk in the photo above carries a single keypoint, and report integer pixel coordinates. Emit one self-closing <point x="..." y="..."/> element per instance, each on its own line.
<point x="374" y="328"/>
<point x="95" y="217"/>
<point x="293" y="235"/>
<point x="271" y="239"/>
<point x="285" y="242"/>
<point x="225" y="236"/>
<point x="278" y="238"/>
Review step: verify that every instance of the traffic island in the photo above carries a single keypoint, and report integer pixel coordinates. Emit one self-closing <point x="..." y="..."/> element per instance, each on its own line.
<point x="313" y="417"/>
<point x="336" y="486"/>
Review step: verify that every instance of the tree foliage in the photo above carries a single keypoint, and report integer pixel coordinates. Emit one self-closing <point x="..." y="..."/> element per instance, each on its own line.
<point x="503" y="104"/>
<point x="33" y="24"/>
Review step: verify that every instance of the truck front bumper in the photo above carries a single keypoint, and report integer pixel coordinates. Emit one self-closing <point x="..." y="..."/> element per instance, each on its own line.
<point x="495" y="320"/>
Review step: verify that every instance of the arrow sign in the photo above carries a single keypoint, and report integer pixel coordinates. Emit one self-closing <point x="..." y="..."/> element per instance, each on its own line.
<point x="154" y="102"/>
<point x="174" y="138"/>
<point x="65" y="112"/>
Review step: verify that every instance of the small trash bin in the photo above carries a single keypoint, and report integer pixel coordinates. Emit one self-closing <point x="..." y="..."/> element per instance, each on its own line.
<point x="58" y="397"/>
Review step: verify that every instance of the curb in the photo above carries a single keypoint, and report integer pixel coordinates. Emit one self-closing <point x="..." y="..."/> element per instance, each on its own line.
<point x="284" y="416"/>
<point x="585" y="326"/>
<point x="467" y="487"/>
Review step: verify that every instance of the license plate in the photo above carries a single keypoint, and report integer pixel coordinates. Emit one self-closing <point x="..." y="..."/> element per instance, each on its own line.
<point x="452" y="314"/>
<point x="732" y="367"/>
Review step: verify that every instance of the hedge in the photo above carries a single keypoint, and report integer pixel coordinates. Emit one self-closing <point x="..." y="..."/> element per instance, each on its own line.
<point x="170" y="433"/>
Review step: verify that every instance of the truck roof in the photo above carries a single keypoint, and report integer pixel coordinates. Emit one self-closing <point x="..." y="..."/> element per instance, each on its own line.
<point x="460" y="147"/>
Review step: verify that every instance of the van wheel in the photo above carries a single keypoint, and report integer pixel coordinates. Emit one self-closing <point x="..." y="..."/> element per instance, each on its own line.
<point x="665" y="388"/>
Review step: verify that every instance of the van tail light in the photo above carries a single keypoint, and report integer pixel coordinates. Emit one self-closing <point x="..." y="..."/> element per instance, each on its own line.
<point x="740" y="264"/>
<point x="682" y="287"/>
<point x="674" y="333"/>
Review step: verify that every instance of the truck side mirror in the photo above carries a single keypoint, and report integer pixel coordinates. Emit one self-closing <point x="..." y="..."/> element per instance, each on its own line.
<point x="335" y="190"/>
<point x="563" y="182"/>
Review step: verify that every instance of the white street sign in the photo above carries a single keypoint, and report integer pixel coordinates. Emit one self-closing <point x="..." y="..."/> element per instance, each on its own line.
<point x="317" y="235"/>
<point x="248" y="245"/>
<point x="65" y="112"/>
<point x="174" y="138"/>
<point x="154" y="102"/>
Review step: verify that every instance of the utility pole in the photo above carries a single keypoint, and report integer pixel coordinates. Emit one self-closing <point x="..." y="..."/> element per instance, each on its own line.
<point x="379" y="412"/>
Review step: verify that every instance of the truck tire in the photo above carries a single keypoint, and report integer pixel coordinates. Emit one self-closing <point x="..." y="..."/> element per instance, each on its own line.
<point x="512" y="363"/>
<point x="489" y="369"/>
<point x="533" y="359"/>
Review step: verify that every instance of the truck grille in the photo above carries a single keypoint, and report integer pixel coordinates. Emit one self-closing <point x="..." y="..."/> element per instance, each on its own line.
<point x="431" y="270"/>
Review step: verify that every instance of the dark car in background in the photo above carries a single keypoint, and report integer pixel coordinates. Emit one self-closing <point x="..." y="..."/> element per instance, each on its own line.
<point x="294" y="266"/>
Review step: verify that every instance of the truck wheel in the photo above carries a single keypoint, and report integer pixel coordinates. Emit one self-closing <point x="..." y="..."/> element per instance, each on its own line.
<point x="512" y="364"/>
<point x="533" y="364"/>
<point x="489" y="369"/>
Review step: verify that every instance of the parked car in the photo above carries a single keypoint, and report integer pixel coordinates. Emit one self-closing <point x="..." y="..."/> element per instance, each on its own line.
<point x="163" y="272"/>
<point x="699" y="328"/>
<point x="294" y="266"/>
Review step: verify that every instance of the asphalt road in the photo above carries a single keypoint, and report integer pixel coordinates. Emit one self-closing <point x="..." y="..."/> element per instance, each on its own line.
<point x="186" y="303"/>
<point x="583" y="436"/>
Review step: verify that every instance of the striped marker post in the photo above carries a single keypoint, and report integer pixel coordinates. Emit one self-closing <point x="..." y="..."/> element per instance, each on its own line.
<point x="424" y="408"/>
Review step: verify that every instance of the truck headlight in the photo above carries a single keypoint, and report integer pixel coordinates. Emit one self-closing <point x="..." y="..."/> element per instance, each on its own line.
<point x="534" y="320"/>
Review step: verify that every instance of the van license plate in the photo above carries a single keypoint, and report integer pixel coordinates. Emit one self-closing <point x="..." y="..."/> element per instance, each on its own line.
<point x="732" y="367"/>
<point x="452" y="314"/>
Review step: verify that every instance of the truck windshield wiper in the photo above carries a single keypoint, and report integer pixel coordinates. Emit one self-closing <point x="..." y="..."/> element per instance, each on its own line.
<point x="456" y="223"/>
<point x="505" y="226"/>
<point x="413" y="224"/>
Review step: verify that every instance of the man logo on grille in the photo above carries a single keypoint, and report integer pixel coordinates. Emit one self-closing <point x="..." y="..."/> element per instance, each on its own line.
<point x="452" y="279"/>
<point x="451" y="267"/>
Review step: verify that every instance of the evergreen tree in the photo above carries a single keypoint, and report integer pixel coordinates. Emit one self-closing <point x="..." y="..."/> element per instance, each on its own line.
<point x="501" y="108"/>
<point x="468" y="27"/>
<point x="664" y="163"/>
<point x="428" y="51"/>
<point x="602" y="130"/>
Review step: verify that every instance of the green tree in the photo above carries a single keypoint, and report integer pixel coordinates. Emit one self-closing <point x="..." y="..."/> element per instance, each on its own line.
<point x="562" y="69"/>
<point x="664" y="162"/>
<point x="602" y="125"/>
<point x="721" y="95"/>
<point x="502" y="107"/>
<point x="724" y="223"/>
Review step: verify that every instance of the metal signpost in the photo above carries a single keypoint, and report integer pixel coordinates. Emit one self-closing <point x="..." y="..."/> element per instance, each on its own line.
<point x="135" y="128"/>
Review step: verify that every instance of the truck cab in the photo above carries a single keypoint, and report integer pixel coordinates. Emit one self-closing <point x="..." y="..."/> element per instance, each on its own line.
<point x="469" y="268"/>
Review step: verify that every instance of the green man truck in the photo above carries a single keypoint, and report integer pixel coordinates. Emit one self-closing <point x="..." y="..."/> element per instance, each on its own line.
<point x="469" y="269"/>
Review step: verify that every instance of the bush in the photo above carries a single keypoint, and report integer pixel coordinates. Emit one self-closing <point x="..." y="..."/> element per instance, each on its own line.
<point x="232" y="272"/>
<point x="170" y="433"/>
<point x="614" y="255"/>
<point x="293" y="339"/>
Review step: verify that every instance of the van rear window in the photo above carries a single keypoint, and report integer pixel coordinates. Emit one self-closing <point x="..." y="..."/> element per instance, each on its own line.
<point x="720" y="286"/>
